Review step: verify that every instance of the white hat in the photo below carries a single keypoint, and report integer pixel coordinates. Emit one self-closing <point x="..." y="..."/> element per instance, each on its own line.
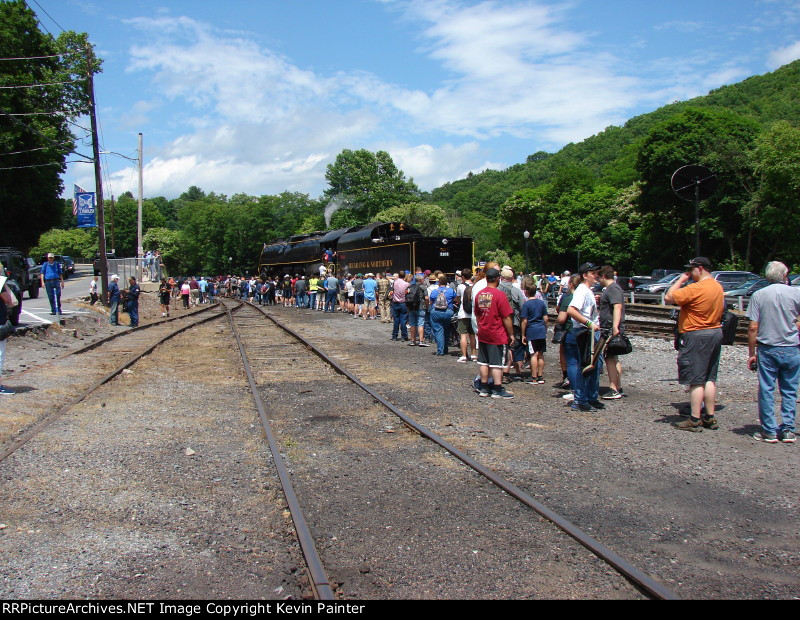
<point x="115" y="277"/>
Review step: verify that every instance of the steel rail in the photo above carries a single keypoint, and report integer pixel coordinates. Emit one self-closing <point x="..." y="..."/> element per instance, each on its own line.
<point x="105" y="339"/>
<point x="625" y="568"/>
<point x="44" y="423"/>
<point x="319" y="580"/>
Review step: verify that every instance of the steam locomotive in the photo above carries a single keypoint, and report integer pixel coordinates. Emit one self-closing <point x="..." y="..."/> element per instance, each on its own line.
<point x="380" y="247"/>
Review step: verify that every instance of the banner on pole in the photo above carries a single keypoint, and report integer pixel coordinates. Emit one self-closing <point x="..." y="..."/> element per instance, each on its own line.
<point x="85" y="209"/>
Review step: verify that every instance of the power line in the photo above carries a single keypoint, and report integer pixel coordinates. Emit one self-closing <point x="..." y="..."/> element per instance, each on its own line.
<point x="38" y="57"/>
<point x="42" y="85"/>
<point x="56" y="113"/>
<point x="39" y="133"/>
<point x="48" y="15"/>
<point x="41" y="148"/>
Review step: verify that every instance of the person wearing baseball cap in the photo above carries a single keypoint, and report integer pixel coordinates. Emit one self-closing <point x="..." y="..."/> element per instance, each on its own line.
<point x="702" y="304"/>
<point x="585" y="324"/>
<point x="494" y="315"/>
<point x="113" y="300"/>
<point x="52" y="280"/>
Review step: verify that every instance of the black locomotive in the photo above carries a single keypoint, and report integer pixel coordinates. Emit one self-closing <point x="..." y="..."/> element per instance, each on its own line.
<point x="381" y="247"/>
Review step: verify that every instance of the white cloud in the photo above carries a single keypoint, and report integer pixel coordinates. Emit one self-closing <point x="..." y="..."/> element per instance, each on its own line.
<point x="249" y="119"/>
<point x="783" y="55"/>
<point x="431" y="166"/>
<point x="515" y="71"/>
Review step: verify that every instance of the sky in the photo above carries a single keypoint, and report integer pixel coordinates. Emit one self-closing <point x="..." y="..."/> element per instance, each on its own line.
<point x="259" y="96"/>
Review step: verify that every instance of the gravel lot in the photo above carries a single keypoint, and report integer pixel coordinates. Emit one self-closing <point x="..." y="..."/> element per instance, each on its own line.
<point x="108" y="503"/>
<point x="706" y="513"/>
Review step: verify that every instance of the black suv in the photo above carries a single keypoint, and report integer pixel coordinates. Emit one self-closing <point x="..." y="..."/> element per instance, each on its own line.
<point x="96" y="261"/>
<point x="21" y="269"/>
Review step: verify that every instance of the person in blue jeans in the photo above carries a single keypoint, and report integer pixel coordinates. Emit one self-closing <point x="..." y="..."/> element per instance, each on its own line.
<point x="113" y="300"/>
<point x="582" y="311"/>
<point x="133" y="301"/>
<point x="441" y="314"/>
<point x="52" y="281"/>
<point x="773" y="348"/>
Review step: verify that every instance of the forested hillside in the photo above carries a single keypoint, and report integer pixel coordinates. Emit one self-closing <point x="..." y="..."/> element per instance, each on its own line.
<point x="598" y="196"/>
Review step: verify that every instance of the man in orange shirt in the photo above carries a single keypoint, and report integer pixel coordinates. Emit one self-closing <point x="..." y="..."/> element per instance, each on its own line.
<point x="702" y="303"/>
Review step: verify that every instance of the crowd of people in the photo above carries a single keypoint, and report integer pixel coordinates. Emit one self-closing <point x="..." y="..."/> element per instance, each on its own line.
<point x="499" y="319"/>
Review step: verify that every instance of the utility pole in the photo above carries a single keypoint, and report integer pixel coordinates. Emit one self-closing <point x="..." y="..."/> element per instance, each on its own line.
<point x="139" y="248"/>
<point x="98" y="179"/>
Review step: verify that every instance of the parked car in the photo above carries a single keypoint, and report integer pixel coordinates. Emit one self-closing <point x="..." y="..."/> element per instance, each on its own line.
<point x="96" y="261"/>
<point x="748" y="288"/>
<point x="650" y="293"/>
<point x="655" y="276"/>
<point x="18" y="268"/>
<point x="68" y="265"/>
<point x="736" y="277"/>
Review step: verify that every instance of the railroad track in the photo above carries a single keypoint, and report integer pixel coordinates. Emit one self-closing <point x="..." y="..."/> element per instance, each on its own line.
<point x="273" y="352"/>
<point x="664" y="329"/>
<point x="116" y="354"/>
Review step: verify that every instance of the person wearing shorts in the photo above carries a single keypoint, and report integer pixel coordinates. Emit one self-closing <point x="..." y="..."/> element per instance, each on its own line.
<point x="702" y="303"/>
<point x="496" y="331"/>
<point x="534" y="333"/>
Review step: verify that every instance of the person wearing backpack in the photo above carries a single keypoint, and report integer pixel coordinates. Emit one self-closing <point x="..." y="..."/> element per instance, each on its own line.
<point x="441" y="314"/>
<point x="417" y="302"/>
<point x="465" y="331"/>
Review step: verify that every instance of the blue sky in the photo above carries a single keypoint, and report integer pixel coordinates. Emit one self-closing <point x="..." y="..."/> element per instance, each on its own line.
<point x="258" y="96"/>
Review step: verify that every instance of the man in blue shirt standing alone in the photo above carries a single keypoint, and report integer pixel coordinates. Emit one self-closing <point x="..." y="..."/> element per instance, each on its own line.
<point x="52" y="281"/>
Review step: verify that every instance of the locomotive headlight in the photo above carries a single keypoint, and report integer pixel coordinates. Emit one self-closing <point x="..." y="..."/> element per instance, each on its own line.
<point x="444" y="241"/>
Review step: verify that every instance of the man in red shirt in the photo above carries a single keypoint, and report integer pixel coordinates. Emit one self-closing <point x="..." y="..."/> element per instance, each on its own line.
<point x="495" y="333"/>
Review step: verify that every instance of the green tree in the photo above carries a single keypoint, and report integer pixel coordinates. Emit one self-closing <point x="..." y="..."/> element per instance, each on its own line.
<point x="168" y="243"/>
<point x="774" y="210"/>
<point x="429" y="219"/>
<point x="369" y="181"/>
<point x="35" y="144"/>
<point x="718" y="140"/>
<point x="74" y="242"/>
<point x="125" y="223"/>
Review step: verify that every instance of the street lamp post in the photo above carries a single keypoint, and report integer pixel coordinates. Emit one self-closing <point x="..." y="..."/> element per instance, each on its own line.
<point x="527" y="236"/>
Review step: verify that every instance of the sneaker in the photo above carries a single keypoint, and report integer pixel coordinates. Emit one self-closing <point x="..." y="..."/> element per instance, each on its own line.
<point x="582" y="407"/>
<point x="564" y="385"/>
<point x="765" y="438"/>
<point x="413" y="343"/>
<point x="474" y="358"/>
<point x="568" y="396"/>
<point x="532" y="381"/>
<point x="6" y="391"/>
<point x="597" y="404"/>
<point x="710" y="423"/>
<point x="423" y="344"/>
<point x="540" y="380"/>
<point x="462" y="359"/>
<point x="788" y="437"/>
<point x="690" y="424"/>
<point x="612" y="395"/>
<point x="484" y="392"/>
<point x="503" y="393"/>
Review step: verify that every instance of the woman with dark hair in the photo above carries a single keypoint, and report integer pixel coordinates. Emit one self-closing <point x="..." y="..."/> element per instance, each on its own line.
<point x="164" y="294"/>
